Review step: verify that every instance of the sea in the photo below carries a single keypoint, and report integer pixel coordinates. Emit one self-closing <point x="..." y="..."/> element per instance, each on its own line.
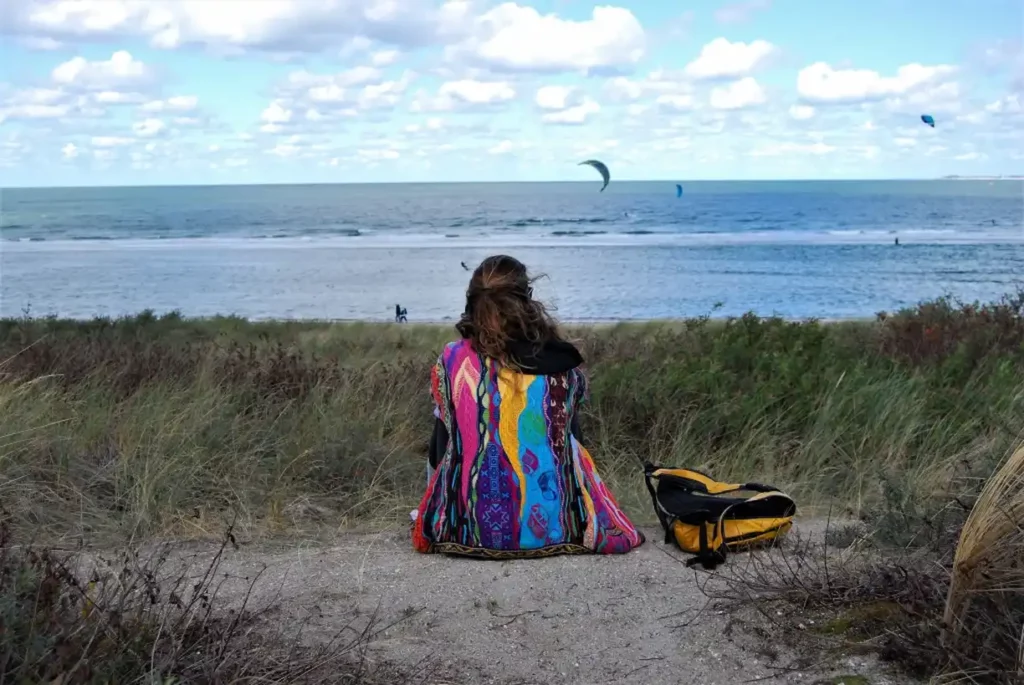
<point x="808" y="249"/>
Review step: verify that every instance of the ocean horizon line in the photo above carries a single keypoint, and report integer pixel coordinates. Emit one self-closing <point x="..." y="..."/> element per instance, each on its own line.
<point x="906" y="179"/>
<point x="443" y="322"/>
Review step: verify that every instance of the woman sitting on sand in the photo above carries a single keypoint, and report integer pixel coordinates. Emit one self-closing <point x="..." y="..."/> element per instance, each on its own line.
<point x="512" y="478"/>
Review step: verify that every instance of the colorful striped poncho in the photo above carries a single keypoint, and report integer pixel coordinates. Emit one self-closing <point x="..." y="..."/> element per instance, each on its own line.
<point x="514" y="480"/>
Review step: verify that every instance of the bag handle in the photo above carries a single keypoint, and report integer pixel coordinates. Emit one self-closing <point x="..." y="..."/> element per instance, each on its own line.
<point x="758" y="487"/>
<point x="649" y="470"/>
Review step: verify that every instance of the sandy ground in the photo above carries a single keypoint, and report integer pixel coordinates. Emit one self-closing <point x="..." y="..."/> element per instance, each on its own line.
<point x="636" y="618"/>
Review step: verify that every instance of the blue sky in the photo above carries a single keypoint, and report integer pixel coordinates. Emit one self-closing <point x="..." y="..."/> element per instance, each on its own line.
<point x="116" y="92"/>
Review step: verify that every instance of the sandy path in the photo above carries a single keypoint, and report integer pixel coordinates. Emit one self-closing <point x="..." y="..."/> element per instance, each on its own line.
<point x="588" y="620"/>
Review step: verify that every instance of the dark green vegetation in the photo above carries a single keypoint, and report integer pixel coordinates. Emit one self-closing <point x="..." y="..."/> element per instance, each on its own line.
<point x="159" y="425"/>
<point x="152" y="425"/>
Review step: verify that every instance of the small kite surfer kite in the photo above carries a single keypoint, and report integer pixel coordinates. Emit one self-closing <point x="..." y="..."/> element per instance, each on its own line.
<point x="928" y="119"/>
<point x="601" y="168"/>
<point x="464" y="266"/>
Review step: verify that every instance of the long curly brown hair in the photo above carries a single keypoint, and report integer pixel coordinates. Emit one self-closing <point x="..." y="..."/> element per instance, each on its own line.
<point x="500" y="309"/>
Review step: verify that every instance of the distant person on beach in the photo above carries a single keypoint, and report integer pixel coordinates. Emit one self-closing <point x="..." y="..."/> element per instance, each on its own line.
<point x="535" y="490"/>
<point x="897" y="241"/>
<point x="401" y="315"/>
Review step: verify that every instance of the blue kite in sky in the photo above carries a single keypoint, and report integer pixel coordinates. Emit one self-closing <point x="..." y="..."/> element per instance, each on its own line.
<point x="928" y="119"/>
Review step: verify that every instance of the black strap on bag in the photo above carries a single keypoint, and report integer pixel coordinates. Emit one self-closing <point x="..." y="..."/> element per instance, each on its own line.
<point x="708" y="558"/>
<point x="666" y="523"/>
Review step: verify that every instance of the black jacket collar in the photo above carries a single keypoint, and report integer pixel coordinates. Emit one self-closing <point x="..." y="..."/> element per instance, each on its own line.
<point x="548" y="359"/>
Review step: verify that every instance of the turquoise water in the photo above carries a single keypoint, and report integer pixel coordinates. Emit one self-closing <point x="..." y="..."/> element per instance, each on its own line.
<point x="635" y="251"/>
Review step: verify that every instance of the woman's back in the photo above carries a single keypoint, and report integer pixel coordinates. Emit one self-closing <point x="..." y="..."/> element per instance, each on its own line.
<point x="513" y="478"/>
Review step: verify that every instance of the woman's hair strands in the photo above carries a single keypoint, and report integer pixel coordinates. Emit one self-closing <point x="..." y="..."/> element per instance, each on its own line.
<point x="500" y="309"/>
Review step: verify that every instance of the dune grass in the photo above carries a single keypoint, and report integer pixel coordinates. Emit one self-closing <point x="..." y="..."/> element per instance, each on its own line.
<point x="149" y="426"/>
<point x="983" y="618"/>
<point x="936" y="590"/>
<point x="154" y="425"/>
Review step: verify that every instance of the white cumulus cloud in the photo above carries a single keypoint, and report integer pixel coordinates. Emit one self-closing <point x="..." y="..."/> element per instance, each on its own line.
<point x="659" y="82"/>
<point x="46" y="103"/>
<point x="178" y="103"/>
<point x="279" y="26"/>
<point x="113" y="97"/>
<point x="110" y="141"/>
<point x="356" y="76"/>
<point x="516" y="38"/>
<point x="276" y="114"/>
<point x="69" y="151"/>
<point x="120" y="71"/>
<point x="722" y="59"/>
<point x="319" y="100"/>
<point x="384" y="95"/>
<point x="556" y="97"/>
<point x="820" y="83"/>
<point x="573" y="116"/>
<point x="385" y="58"/>
<point x="465" y="94"/>
<point x="738" y="95"/>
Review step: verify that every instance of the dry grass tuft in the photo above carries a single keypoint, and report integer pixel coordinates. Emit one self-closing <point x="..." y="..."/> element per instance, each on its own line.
<point x="946" y="602"/>
<point x="131" y="619"/>
<point x="984" y="613"/>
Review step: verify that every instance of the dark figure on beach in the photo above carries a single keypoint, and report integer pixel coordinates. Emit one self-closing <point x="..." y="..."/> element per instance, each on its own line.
<point x="464" y="266"/>
<point x="401" y="314"/>
<point x="897" y="241"/>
